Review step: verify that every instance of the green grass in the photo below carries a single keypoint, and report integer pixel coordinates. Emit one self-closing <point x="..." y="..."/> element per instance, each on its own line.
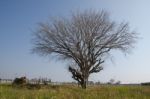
<point x="74" y="92"/>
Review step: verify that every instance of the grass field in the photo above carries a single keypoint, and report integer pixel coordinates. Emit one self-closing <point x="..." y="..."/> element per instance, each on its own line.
<point x="75" y="92"/>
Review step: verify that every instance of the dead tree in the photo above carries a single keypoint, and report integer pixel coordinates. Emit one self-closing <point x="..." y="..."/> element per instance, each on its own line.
<point x="85" y="39"/>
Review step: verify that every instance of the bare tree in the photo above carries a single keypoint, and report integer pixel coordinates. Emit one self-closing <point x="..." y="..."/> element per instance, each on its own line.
<point x="85" y="39"/>
<point x="111" y="81"/>
<point x="118" y="82"/>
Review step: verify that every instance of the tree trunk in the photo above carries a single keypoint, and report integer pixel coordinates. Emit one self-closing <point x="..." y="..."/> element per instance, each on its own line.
<point x="84" y="83"/>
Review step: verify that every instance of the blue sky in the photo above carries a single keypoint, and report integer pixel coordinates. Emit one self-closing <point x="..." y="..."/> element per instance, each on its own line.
<point x="19" y="18"/>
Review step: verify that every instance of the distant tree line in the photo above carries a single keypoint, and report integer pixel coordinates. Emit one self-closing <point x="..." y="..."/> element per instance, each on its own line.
<point x="24" y="81"/>
<point x="146" y="84"/>
<point x="5" y="80"/>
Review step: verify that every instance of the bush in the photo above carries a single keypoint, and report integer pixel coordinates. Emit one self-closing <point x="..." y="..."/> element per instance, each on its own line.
<point x="146" y="84"/>
<point x="20" y="81"/>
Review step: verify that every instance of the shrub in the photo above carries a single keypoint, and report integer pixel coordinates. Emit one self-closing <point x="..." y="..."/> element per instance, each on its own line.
<point x="146" y="84"/>
<point x="20" y="81"/>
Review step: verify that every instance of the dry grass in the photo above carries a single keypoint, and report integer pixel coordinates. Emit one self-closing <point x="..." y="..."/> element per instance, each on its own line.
<point x="74" y="92"/>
